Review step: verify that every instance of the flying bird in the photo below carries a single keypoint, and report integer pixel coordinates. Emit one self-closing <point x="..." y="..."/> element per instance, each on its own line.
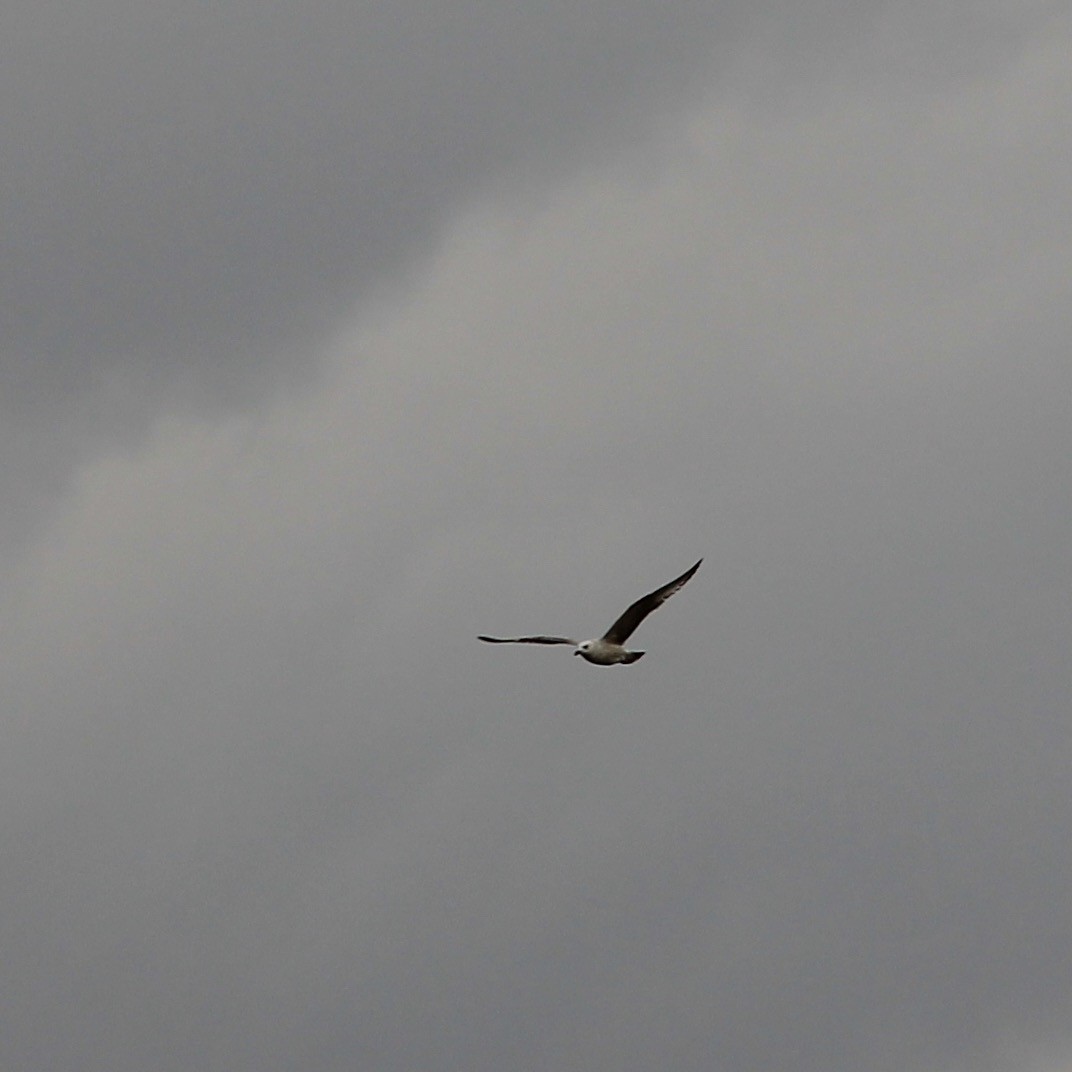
<point x="609" y="649"/>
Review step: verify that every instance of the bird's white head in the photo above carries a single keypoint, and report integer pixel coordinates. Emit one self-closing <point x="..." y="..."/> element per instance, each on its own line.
<point x="585" y="645"/>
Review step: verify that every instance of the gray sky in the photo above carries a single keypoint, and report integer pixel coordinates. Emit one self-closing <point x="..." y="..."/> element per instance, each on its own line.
<point x="332" y="339"/>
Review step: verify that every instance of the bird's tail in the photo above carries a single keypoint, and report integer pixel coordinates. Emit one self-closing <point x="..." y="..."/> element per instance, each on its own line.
<point x="632" y="656"/>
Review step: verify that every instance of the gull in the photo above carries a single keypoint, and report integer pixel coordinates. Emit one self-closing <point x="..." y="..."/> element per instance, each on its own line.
<point x="609" y="649"/>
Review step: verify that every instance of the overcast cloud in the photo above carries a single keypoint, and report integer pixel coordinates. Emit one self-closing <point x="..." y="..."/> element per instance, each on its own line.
<point x="334" y="339"/>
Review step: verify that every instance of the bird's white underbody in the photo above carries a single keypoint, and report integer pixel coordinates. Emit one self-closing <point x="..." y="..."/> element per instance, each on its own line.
<point x="603" y="653"/>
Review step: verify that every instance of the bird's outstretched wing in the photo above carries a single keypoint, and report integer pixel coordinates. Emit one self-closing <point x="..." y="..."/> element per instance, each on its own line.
<point x="528" y="640"/>
<point x="624" y="627"/>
